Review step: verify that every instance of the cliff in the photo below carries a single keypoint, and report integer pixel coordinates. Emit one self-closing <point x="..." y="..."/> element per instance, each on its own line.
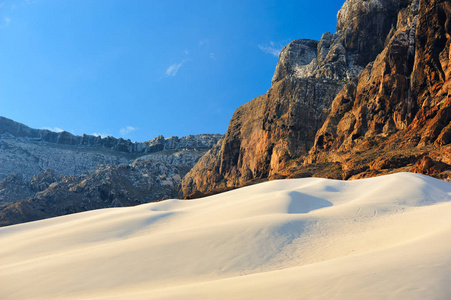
<point x="147" y="179"/>
<point x="28" y="151"/>
<point x="190" y="142"/>
<point x="46" y="174"/>
<point x="371" y="98"/>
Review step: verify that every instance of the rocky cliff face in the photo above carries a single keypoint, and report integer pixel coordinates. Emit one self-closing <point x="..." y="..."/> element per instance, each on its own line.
<point x="401" y="101"/>
<point x="371" y="98"/>
<point x="28" y="151"/>
<point x="45" y="174"/>
<point x="193" y="142"/>
<point x="147" y="179"/>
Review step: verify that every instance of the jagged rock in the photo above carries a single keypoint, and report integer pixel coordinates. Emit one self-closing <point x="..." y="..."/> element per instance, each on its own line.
<point x="366" y="24"/>
<point x="149" y="178"/>
<point x="388" y="101"/>
<point x="30" y="151"/>
<point x="10" y="128"/>
<point x="61" y="173"/>
<point x="13" y="188"/>
<point x="295" y="57"/>
<point x="400" y="103"/>
<point x="43" y="180"/>
<point x="389" y="61"/>
<point x="429" y="167"/>
<point x="265" y="134"/>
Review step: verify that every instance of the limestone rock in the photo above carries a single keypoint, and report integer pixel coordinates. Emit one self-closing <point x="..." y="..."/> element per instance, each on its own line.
<point x="365" y="25"/>
<point x="28" y="151"/>
<point x="266" y="134"/>
<point x="149" y="178"/>
<point x="388" y="70"/>
<point x="61" y="173"/>
<point x="403" y="95"/>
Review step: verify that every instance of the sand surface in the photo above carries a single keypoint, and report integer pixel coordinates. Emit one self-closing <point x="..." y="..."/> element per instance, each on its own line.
<point x="387" y="237"/>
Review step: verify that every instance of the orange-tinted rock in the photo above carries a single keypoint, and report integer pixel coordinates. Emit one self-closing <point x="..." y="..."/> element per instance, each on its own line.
<point x="382" y="120"/>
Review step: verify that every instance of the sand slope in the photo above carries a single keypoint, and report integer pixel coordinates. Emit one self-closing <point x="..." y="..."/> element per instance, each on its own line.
<point x="386" y="237"/>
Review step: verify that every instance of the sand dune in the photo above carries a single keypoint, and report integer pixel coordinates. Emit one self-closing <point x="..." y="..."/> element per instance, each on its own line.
<point x="387" y="237"/>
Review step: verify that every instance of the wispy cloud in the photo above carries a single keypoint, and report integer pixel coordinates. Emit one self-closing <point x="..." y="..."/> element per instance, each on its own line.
<point x="203" y="42"/>
<point x="54" y="129"/>
<point x="212" y="56"/>
<point x="126" y="130"/>
<point x="270" y="49"/>
<point x="172" y="70"/>
<point x="5" y="22"/>
<point x="102" y="135"/>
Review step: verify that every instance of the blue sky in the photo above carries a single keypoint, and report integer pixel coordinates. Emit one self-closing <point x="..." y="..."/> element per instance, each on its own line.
<point x="138" y="69"/>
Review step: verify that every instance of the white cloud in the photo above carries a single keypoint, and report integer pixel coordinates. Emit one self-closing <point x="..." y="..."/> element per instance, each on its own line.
<point x="270" y="49"/>
<point x="54" y="129"/>
<point x="173" y="69"/>
<point x="126" y="130"/>
<point x="212" y="56"/>
<point x="102" y="135"/>
<point x="5" y="22"/>
<point x="203" y="42"/>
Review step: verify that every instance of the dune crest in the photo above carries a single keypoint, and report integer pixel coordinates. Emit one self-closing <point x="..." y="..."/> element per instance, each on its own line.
<point x="387" y="236"/>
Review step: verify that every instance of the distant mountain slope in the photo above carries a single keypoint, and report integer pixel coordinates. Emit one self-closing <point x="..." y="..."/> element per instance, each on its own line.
<point x="28" y="151"/>
<point x="372" y="98"/>
<point x="147" y="179"/>
<point x="45" y="174"/>
<point x="378" y="238"/>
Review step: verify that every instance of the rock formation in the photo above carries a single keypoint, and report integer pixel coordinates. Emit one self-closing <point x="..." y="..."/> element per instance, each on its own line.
<point x="369" y="99"/>
<point x="400" y="101"/>
<point x="45" y="174"/>
<point x="147" y="179"/>
<point x="28" y="151"/>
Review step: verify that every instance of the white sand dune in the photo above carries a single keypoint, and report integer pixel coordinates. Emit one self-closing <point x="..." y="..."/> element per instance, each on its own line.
<point x="381" y="238"/>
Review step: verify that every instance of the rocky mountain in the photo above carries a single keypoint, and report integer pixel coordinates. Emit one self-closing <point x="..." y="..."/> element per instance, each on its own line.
<point x="46" y="174"/>
<point x="28" y="151"/>
<point x="145" y="180"/>
<point x="370" y="99"/>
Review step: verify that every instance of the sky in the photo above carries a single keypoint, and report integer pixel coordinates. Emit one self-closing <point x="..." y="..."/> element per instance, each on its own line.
<point x="142" y="68"/>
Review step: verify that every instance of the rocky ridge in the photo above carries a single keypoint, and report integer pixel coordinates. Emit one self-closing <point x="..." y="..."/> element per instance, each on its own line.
<point x="174" y="143"/>
<point x="28" y="151"/>
<point x="45" y="174"/>
<point x="370" y="99"/>
<point x="145" y="180"/>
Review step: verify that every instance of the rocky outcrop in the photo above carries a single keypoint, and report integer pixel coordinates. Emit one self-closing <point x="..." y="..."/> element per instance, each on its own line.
<point x="191" y="142"/>
<point x="45" y="174"/>
<point x="379" y="101"/>
<point x="365" y="25"/>
<point x="14" y="188"/>
<point x="402" y="99"/>
<point x="149" y="178"/>
<point x="267" y="134"/>
<point x="28" y="151"/>
<point x="387" y="71"/>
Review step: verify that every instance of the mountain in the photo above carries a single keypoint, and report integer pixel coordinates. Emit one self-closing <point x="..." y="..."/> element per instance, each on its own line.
<point x="28" y="151"/>
<point x="371" y="99"/>
<point x="311" y="238"/>
<point x="46" y="174"/>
